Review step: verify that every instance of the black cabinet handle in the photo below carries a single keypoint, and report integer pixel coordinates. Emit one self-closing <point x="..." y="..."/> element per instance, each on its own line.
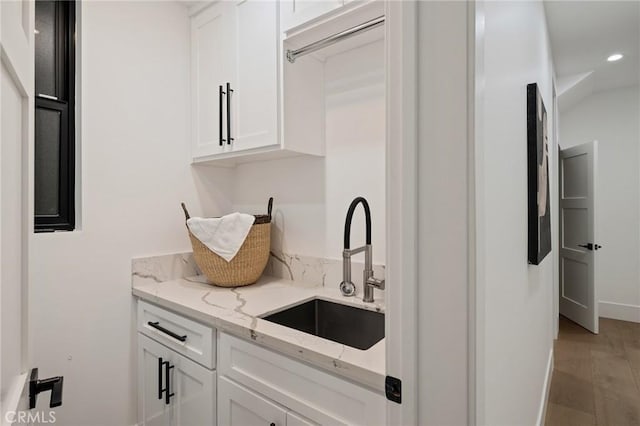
<point x="229" y="92"/>
<point x="221" y="94"/>
<point x="168" y="394"/>
<point x="166" y="391"/>
<point x="160" y="390"/>
<point x="272" y="424"/>
<point x="158" y="327"/>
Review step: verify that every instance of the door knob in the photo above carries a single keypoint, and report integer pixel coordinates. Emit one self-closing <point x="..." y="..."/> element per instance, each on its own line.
<point x="54" y="384"/>
<point x="590" y="246"/>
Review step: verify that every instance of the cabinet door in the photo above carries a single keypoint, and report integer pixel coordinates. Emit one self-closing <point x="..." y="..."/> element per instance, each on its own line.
<point x="194" y="400"/>
<point x="298" y="12"/>
<point x="254" y="101"/>
<point x="294" y="419"/>
<point x="152" y="410"/>
<point x="238" y="406"/>
<point x="213" y="60"/>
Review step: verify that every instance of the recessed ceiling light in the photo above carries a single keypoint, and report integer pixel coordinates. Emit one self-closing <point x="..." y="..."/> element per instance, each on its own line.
<point x="615" y="57"/>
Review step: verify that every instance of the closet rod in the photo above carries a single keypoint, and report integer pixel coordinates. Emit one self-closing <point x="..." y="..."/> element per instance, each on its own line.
<point x="320" y="44"/>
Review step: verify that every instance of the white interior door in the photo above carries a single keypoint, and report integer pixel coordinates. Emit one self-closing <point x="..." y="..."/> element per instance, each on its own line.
<point x="578" y="244"/>
<point x="16" y="129"/>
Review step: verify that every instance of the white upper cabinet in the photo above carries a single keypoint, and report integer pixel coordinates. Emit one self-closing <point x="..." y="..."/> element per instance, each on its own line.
<point x="234" y="78"/>
<point x="238" y="90"/>
<point x="254" y="101"/>
<point x="298" y="12"/>
<point x="213" y="61"/>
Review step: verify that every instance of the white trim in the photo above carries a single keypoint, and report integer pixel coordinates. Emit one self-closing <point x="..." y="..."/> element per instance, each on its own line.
<point x="619" y="311"/>
<point x="542" y="412"/>
<point x="477" y="282"/>
<point x="401" y="207"/>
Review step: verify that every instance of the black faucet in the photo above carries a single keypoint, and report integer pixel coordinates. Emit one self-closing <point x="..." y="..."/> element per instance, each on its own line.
<point x="369" y="282"/>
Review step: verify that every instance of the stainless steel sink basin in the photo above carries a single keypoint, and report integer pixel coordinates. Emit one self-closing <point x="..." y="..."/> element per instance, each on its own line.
<point x="347" y="325"/>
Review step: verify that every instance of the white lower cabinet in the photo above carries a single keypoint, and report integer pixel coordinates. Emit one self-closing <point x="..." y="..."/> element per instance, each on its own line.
<point x="183" y="383"/>
<point x="238" y="406"/>
<point x="294" y="419"/>
<point x="152" y="410"/>
<point x="257" y="386"/>
<point x="190" y="386"/>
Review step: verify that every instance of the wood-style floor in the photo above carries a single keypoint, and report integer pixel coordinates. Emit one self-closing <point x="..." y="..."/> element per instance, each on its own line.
<point x="596" y="378"/>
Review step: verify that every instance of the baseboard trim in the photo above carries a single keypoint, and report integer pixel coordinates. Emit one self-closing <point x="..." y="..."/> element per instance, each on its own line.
<point x="542" y="411"/>
<point x="619" y="311"/>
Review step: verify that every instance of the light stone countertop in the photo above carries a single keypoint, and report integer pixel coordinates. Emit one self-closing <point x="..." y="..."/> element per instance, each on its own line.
<point x="238" y="311"/>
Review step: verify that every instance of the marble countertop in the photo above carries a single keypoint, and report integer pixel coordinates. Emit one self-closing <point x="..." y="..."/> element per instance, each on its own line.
<point x="238" y="311"/>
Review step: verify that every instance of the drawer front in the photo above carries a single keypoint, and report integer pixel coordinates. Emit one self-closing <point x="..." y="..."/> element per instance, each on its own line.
<point x="171" y="329"/>
<point x="319" y="396"/>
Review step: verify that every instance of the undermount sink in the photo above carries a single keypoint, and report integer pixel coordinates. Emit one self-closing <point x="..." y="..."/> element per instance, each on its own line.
<point x="343" y="324"/>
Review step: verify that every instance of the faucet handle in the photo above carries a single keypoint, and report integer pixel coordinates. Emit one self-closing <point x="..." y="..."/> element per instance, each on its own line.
<point x="376" y="282"/>
<point x="347" y="288"/>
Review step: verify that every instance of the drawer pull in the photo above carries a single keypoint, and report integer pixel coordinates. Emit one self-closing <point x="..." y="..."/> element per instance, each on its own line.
<point x="158" y="327"/>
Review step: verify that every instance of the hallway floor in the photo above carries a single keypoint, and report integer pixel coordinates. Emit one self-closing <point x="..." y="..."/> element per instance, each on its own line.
<point x="596" y="378"/>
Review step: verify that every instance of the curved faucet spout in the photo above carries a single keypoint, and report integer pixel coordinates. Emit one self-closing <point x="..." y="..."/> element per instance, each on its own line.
<point x="347" y="223"/>
<point x="368" y="281"/>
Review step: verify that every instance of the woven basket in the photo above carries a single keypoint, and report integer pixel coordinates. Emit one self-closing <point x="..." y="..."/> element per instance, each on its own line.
<point x="248" y="264"/>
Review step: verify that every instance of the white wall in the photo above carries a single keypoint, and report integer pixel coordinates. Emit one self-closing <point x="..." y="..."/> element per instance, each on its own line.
<point x="135" y="171"/>
<point x="311" y="195"/>
<point x="612" y="118"/>
<point x="443" y="213"/>
<point x="516" y="329"/>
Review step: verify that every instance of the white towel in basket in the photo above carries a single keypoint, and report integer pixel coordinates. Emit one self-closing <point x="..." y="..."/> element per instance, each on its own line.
<point x="225" y="235"/>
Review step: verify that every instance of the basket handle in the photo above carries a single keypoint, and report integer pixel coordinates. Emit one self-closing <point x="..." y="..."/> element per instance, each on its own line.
<point x="270" y="207"/>
<point x="186" y="212"/>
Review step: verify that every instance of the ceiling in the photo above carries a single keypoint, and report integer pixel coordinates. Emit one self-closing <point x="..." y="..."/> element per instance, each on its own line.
<point x="583" y="34"/>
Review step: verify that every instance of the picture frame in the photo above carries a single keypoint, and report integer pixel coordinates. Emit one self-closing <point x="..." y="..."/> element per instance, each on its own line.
<point x="539" y="208"/>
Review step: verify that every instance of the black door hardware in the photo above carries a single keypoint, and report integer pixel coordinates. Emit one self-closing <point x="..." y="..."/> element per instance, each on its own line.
<point x="167" y="376"/>
<point x="167" y="380"/>
<point x="54" y="384"/>
<point x="590" y="246"/>
<point x="393" y="389"/>
<point x="229" y="92"/>
<point x="160" y="390"/>
<point x="221" y="93"/>
<point x="158" y="327"/>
